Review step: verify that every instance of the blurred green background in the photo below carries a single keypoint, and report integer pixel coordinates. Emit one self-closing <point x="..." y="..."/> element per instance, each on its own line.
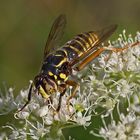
<point x="25" y="24"/>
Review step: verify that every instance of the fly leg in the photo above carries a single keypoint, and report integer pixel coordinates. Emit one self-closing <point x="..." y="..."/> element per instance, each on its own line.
<point x="60" y="100"/>
<point x="29" y="99"/>
<point x="92" y="56"/>
<point x="62" y="89"/>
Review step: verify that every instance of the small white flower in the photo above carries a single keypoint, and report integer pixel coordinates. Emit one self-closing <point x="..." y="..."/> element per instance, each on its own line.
<point x="81" y="120"/>
<point x="48" y="120"/>
<point x="22" y="115"/>
<point x="7" y="101"/>
<point x="127" y="128"/>
<point x="42" y="111"/>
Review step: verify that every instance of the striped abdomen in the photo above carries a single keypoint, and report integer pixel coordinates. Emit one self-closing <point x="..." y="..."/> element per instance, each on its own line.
<point x="79" y="45"/>
<point x="86" y="41"/>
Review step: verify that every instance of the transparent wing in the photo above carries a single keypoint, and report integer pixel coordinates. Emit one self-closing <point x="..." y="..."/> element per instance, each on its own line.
<point x="105" y="33"/>
<point x="55" y="34"/>
<point x="101" y="35"/>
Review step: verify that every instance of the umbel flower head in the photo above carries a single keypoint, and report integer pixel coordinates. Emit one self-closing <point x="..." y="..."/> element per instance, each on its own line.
<point x="123" y="80"/>
<point x="113" y="78"/>
<point x="128" y="127"/>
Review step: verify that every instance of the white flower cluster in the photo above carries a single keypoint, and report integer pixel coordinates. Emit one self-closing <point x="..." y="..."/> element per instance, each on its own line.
<point x="127" y="128"/>
<point x="7" y="101"/>
<point x="112" y="79"/>
<point x="123" y="72"/>
<point x="41" y="120"/>
<point x="126" y="60"/>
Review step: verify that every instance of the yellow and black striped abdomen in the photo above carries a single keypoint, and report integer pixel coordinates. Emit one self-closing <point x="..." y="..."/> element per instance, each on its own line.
<point x="82" y="43"/>
<point x="79" y="45"/>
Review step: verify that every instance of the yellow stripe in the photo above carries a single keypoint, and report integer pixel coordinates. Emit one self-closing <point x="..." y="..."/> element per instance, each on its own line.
<point x="57" y="55"/>
<point x="65" y="52"/>
<point x="90" y="40"/>
<point x="66" y="79"/>
<point x="75" y="49"/>
<point x="62" y="75"/>
<point x="50" y="73"/>
<point x="61" y="62"/>
<point x="81" y="44"/>
<point x="43" y="93"/>
<point x="55" y="77"/>
<point x="94" y="37"/>
<point x="86" y="43"/>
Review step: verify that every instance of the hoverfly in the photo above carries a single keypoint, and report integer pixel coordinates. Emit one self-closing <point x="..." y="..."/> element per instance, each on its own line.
<point x="58" y="63"/>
